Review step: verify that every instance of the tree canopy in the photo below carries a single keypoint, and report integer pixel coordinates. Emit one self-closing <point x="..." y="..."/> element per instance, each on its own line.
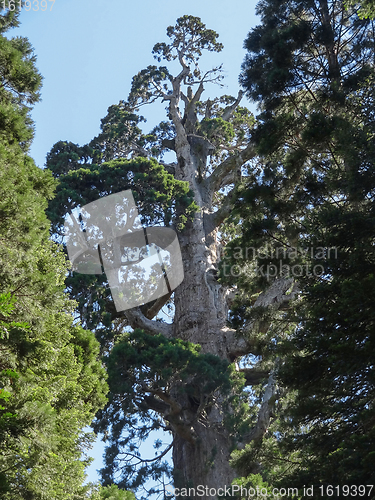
<point x="259" y="365"/>
<point x="309" y="207"/>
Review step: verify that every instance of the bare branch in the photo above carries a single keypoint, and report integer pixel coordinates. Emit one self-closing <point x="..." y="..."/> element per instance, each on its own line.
<point x="215" y="79"/>
<point x="183" y="73"/>
<point x="222" y="175"/>
<point x="155" y="308"/>
<point x="184" y="98"/>
<point x="159" y="89"/>
<point x="148" y="460"/>
<point x="198" y="93"/>
<point x="138" y="320"/>
<point x="229" y="110"/>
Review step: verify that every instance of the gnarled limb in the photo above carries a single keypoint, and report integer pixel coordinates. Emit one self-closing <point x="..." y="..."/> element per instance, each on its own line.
<point x="137" y="319"/>
<point x="158" y="304"/>
<point x="153" y="403"/>
<point x="223" y="174"/>
<point x="175" y="417"/>
<point x="229" y="109"/>
<point x="190" y="100"/>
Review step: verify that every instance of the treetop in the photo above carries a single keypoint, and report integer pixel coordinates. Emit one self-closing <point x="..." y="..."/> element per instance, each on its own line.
<point x="189" y="36"/>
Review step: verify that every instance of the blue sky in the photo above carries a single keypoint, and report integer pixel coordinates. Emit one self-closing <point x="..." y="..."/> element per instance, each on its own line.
<point x="89" y="50"/>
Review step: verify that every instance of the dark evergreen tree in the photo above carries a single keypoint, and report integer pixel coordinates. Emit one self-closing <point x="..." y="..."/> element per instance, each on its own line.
<point x="310" y="204"/>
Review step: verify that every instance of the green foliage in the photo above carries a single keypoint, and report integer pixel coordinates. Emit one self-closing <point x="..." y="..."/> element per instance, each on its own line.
<point x="367" y="8"/>
<point x="66" y="156"/>
<point x="163" y="360"/>
<point x="51" y="380"/>
<point x="189" y="36"/>
<point x="52" y="385"/>
<point x="289" y="44"/>
<point x="251" y="485"/>
<point x="119" y="135"/>
<point x="150" y="375"/>
<point x="146" y="374"/>
<point x="224" y="136"/>
<point x="111" y="492"/>
<point x="312" y="199"/>
<point x="161" y="199"/>
<point x="142" y="91"/>
<point x="19" y="77"/>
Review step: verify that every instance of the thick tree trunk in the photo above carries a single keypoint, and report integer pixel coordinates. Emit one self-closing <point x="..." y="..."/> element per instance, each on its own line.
<point x="204" y="464"/>
<point x="200" y="304"/>
<point x="200" y="317"/>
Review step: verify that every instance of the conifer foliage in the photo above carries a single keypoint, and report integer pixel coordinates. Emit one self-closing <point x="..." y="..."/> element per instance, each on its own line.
<point x="51" y="379"/>
<point x="310" y="66"/>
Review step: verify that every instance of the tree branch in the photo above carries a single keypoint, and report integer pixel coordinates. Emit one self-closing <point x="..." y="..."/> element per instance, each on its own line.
<point x="184" y="72"/>
<point x="169" y="167"/>
<point x="174" y="417"/>
<point x="275" y="298"/>
<point x="214" y="219"/>
<point x="222" y="175"/>
<point x="229" y="110"/>
<point x="175" y="407"/>
<point x="150" y="402"/>
<point x="147" y="460"/>
<point x="137" y="319"/>
<point x="265" y="412"/>
<point x="158" y="304"/>
<point x="254" y="376"/>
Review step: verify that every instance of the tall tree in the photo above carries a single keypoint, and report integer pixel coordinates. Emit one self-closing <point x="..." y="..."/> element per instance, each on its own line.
<point x="310" y="64"/>
<point x="187" y="384"/>
<point x="51" y="378"/>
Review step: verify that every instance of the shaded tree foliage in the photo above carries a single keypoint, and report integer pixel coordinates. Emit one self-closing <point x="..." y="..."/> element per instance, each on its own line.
<point x="310" y="205"/>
